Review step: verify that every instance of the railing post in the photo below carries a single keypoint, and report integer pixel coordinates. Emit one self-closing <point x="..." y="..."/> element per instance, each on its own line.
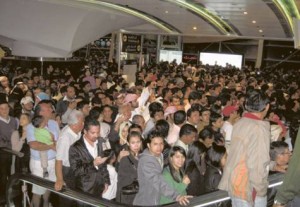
<point x="24" y="190"/>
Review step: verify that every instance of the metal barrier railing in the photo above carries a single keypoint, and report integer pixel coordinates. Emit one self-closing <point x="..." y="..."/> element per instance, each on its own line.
<point x="200" y="201"/>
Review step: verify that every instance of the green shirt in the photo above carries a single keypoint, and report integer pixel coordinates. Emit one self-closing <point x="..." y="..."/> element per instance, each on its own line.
<point x="179" y="187"/>
<point x="43" y="135"/>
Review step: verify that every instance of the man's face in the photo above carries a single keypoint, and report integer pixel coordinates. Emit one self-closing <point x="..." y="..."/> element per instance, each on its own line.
<point x="86" y="110"/>
<point x="205" y="116"/>
<point x="46" y="110"/>
<point x="156" y="146"/>
<point x="194" y="118"/>
<point x="71" y="93"/>
<point x="4" y="110"/>
<point x="92" y="133"/>
<point x="28" y="106"/>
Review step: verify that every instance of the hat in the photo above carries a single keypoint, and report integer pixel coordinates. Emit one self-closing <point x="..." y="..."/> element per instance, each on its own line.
<point x="129" y="98"/>
<point x="170" y="110"/>
<point x="42" y="96"/>
<point x="229" y="109"/>
<point x="26" y="100"/>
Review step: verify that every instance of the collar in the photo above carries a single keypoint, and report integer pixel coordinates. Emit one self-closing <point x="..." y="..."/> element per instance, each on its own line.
<point x="5" y="120"/>
<point x="251" y="116"/>
<point x="67" y="99"/>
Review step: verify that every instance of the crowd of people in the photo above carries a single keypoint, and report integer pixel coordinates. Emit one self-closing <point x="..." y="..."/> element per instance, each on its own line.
<point x="178" y="131"/>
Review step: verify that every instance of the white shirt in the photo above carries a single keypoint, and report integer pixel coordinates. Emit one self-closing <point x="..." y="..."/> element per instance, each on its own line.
<point x="173" y="135"/>
<point x="5" y="120"/>
<point x="227" y="128"/>
<point x="66" y="138"/>
<point x="93" y="150"/>
<point x="112" y="188"/>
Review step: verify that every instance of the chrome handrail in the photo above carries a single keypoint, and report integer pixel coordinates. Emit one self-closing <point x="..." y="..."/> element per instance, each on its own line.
<point x="200" y="201"/>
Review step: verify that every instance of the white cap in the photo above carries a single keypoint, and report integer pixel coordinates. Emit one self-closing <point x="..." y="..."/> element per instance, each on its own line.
<point x="26" y="100"/>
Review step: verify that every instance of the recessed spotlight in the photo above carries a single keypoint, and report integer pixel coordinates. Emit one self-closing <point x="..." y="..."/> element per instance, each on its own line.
<point x="166" y="11"/>
<point x="245" y="12"/>
<point x="260" y="30"/>
<point x="253" y="21"/>
<point x="194" y="28"/>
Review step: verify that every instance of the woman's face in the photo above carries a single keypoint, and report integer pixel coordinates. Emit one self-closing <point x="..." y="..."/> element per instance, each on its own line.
<point x="24" y="120"/>
<point x="177" y="160"/>
<point x="135" y="144"/>
<point x="124" y="132"/>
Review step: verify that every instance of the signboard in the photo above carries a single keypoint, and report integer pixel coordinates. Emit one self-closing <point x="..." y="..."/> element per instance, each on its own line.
<point x="190" y="58"/>
<point x="168" y="41"/>
<point x="131" y="43"/>
<point x="170" y="56"/>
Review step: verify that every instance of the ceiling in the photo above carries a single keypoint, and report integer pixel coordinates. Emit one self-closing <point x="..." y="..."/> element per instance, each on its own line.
<point x="56" y="28"/>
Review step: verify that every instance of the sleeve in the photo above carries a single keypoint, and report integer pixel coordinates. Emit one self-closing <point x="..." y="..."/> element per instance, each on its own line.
<point x="78" y="166"/>
<point x="180" y="187"/>
<point x="258" y="159"/>
<point x="30" y="133"/>
<point x="154" y="176"/>
<point x="61" y="147"/>
<point x="16" y="142"/>
<point x="105" y="174"/>
<point x="291" y="186"/>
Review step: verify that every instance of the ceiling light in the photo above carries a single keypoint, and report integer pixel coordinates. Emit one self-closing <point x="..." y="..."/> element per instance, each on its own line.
<point x="253" y="21"/>
<point x="166" y="11"/>
<point x="260" y="30"/>
<point x="194" y="28"/>
<point x="245" y="12"/>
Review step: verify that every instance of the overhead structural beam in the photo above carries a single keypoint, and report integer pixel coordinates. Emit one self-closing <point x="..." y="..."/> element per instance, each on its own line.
<point x="222" y="26"/>
<point x="289" y="9"/>
<point x="142" y="15"/>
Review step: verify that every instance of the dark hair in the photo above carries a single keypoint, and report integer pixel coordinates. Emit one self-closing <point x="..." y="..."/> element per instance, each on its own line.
<point x="134" y="134"/>
<point x="177" y="177"/>
<point x="214" y="117"/>
<point x="256" y="101"/>
<point x="179" y="117"/>
<point x="135" y="126"/>
<point x="277" y="148"/>
<point x="155" y="107"/>
<point x="195" y="95"/>
<point x="191" y="110"/>
<point x="20" y="129"/>
<point x="194" y="156"/>
<point x="37" y="120"/>
<point x="187" y="129"/>
<point x="215" y="108"/>
<point x="88" y="122"/>
<point x="207" y="132"/>
<point x="95" y="112"/>
<point x="214" y="155"/>
<point x="154" y="134"/>
<point x="81" y="104"/>
<point x="84" y="83"/>
<point x="163" y="127"/>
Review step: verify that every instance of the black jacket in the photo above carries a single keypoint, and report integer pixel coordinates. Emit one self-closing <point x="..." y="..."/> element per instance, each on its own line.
<point x="88" y="178"/>
<point x="196" y="186"/>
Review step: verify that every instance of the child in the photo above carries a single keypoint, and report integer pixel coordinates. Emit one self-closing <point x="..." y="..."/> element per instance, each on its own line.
<point x="44" y="136"/>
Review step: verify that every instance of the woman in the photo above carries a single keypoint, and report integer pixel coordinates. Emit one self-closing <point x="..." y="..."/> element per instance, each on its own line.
<point x="151" y="182"/>
<point x="128" y="167"/>
<point x="19" y="143"/>
<point x="173" y="173"/>
<point x="215" y="161"/>
<point x="195" y="168"/>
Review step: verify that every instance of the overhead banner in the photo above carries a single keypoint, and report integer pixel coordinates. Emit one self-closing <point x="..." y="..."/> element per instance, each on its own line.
<point x="131" y="43"/>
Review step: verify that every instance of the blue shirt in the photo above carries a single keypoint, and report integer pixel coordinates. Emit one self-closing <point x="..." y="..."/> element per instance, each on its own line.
<point x="52" y="126"/>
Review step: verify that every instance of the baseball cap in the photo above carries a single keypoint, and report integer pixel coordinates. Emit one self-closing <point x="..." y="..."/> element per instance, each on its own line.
<point x="229" y="109"/>
<point x="26" y="100"/>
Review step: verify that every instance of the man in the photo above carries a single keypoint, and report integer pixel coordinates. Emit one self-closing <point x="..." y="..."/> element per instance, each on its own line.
<point x="69" y="134"/>
<point x="66" y="104"/>
<point x="27" y="106"/>
<point x="44" y="109"/>
<point x="8" y="124"/>
<point x="289" y="191"/>
<point x="193" y="116"/>
<point x="187" y="135"/>
<point x="179" y="121"/>
<point x="245" y="175"/>
<point x="86" y="162"/>
<point x="230" y="116"/>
